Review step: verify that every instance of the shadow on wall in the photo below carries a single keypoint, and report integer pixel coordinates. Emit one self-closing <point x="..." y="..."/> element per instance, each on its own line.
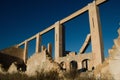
<point x="6" y="60"/>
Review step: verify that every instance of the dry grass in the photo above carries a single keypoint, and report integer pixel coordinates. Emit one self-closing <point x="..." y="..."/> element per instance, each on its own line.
<point x="74" y="75"/>
<point x="51" y="75"/>
<point x="14" y="76"/>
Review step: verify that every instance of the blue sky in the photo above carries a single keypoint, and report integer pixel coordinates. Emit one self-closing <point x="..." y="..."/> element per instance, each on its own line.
<point x="21" y="19"/>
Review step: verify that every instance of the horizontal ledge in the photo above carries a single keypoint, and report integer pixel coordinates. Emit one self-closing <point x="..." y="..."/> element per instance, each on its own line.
<point x="21" y="44"/>
<point x="47" y="29"/>
<point x="77" y="13"/>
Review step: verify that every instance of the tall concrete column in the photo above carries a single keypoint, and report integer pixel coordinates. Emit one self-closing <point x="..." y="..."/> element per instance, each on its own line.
<point x="96" y="34"/>
<point x="25" y="53"/>
<point x="38" y="41"/>
<point x="50" y="49"/>
<point x="58" y="40"/>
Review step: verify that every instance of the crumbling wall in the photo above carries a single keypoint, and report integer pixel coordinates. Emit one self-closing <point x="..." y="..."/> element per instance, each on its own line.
<point x="114" y="55"/>
<point x="40" y="61"/>
<point x="110" y="68"/>
<point x="6" y="60"/>
<point x="13" y="51"/>
<point x="76" y="58"/>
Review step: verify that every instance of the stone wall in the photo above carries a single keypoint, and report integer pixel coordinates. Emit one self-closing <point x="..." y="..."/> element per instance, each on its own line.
<point x="114" y="55"/>
<point x="40" y="61"/>
<point x="77" y="58"/>
<point x="11" y="55"/>
<point x="13" y="51"/>
<point x="110" y="67"/>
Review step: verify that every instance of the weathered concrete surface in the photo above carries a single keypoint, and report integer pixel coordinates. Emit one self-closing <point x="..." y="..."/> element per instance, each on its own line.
<point x="39" y="62"/>
<point x="88" y="61"/>
<point x="110" y="67"/>
<point x="96" y="34"/>
<point x="78" y="59"/>
<point x="58" y="40"/>
<point x="114" y="62"/>
<point x="102" y="71"/>
<point x="85" y="44"/>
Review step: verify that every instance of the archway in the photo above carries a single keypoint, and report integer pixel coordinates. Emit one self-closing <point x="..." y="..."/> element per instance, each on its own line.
<point x="73" y="65"/>
<point x="85" y="64"/>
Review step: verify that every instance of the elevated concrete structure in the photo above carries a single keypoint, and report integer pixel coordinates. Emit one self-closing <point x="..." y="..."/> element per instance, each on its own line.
<point x="38" y="40"/>
<point x="25" y="51"/>
<point x="58" y="40"/>
<point x="96" y="34"/>
<point x="79" y="59"/>
<point x="50" y="49"/>
<point x="96" y="56"/>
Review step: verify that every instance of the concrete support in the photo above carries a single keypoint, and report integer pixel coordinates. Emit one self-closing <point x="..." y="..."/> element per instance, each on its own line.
<point x="77" y="13"/>
<point x="96" y="35"/>
<point x="85" y="44"/>
<point x="38" y="41"/>
<point x="43" y="48"/>
<point x="58" y="40"/>
<point x="25" y="53"/>
<point x="50" y="49"/>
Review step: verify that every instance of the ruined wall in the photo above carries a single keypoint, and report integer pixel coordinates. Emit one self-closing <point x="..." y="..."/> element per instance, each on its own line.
<point x="76" y="59"/>
<point x="40" y="61"/>
<point x="114" y="55"/>
<point x="110" y="67"/>
<point x="6" y="60"/>
<point x="13" y="51"/>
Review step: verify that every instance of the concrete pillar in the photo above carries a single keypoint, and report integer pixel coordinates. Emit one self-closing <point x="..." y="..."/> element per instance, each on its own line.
<point x="58" y="40"/>
<point x="96" y="34"/>
<point x="38" y="41"/>
<point x="25" y="53"/>
<point x="43" y="48"/>
<point x="50" y="49"/>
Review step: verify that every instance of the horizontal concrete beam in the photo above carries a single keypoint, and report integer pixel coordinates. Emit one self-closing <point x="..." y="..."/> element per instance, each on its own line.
<point x="47" y="29"/>
<point x="77" y="13"/>
<point x="31" y="38"/>
<point x="21" y="44"/>
<point x="40" y="33"/>
<point x="98" y="2"/>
